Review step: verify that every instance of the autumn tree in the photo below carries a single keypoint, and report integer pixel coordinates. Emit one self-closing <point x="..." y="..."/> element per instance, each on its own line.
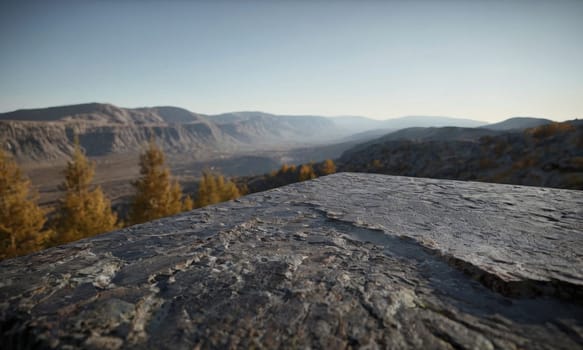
<point x="214" y="188"/>
<point x="84" y="212"/>
<point x="285" y="168"/>
<point x="285" y="175"/>
<point x="156" y="194"/>
<point x="376" y="164"/>
<point x="328" y="167"/>
<point x="242" y="187"/>
<point x="187" y="203"/>
<point x="21" y="219"/>
<point x="307" y="172"/>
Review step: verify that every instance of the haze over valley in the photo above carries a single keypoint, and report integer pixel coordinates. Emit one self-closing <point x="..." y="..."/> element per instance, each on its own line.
<point x="235" y="144"/>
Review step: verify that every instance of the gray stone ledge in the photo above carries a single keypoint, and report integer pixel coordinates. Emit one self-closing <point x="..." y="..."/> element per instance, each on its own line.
<point x="347" y="260"/>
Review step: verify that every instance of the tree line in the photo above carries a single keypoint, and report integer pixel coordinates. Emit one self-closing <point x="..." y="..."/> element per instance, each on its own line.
<point x="287" y="174"/>
<point x="84" y="210"/>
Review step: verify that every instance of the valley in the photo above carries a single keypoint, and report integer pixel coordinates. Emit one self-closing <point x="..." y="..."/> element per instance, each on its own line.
<point x="115" y="172"/>
<point x="246" y="145"/>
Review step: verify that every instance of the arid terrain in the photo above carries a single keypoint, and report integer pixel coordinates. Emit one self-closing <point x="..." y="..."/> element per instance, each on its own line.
<point x="249" y="144"/>
<point x="235" y="144"/>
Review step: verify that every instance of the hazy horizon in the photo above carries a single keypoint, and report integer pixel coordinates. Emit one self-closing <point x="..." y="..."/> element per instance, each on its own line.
<point x="481" y="60"/>
<point x="287" y="114"/>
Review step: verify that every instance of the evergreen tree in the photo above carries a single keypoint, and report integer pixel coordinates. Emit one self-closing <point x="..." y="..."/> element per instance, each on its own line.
<point x="156" y="194"/>
<point x="213" y="188"/>
<point x="328" y="167"/>
<point x="21" y="219"/>
<point x="306" y="172"/>
<point x="83" y="212"/>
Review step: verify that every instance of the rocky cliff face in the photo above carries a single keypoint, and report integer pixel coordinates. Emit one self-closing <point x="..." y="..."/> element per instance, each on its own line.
<point x="49" y="141"/>
<point x="348" y="260"/>
<point x="47" y="134"/>
<point x="104" y="113"/>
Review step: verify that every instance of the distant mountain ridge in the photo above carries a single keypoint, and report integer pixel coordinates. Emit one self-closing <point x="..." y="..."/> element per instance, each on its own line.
<point x="363" y="124"/>
<point x="104" y="113"/>
<point x="517" y="123"/>
<point x="273" y="128"/>
<point x="430" y="121"/>
<point x="47" y="133"/>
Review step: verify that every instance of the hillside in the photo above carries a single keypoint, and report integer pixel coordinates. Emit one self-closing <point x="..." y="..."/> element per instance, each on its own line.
<point x="429" y="121"/>
<point x="101" y="113"/>
<point x="420" y="134"/>
<point x="436" y="134"/>
<point x="362" y="124"/>
<point x="550" y="155"/>
<point x="268" y="129"/>
<point x="47" y="134"/>
<point x="33" y="141"/>
<point x="517" y="123"/>
<point x="443" y="128"/>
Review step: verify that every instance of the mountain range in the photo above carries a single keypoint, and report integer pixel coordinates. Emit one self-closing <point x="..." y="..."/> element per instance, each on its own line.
<point x="360" y="124"/>
<point x="47" y="133"/>
<point x="517" y="123"/>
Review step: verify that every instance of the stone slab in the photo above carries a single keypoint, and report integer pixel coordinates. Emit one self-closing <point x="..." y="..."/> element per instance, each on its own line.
<point x="344" y="261"/>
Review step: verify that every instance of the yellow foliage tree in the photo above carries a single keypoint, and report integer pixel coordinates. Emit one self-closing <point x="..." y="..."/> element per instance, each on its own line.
<point x="213" y="188"/>
<point x="187" y="203"/>
<point x="243" y="188"/>
<point x="157" y="195"/>
<point x="21" y="219"/>
<point x="83" y="212"/>
<point x="307" y="172"/>
<point x="328" y="167"/>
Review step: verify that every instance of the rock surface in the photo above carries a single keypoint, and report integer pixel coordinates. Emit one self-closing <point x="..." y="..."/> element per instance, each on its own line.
<point x="348" y="260"/>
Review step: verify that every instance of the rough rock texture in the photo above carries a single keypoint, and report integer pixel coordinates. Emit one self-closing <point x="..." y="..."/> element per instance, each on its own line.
<point x="103" y="129"/>
<point x="349" y="260"/>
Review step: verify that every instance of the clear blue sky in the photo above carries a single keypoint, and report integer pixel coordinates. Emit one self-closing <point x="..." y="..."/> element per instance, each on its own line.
<point x="486" y="60"/>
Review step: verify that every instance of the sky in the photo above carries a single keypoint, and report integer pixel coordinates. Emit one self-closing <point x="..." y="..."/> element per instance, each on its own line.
<point x="487" y="60"/>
